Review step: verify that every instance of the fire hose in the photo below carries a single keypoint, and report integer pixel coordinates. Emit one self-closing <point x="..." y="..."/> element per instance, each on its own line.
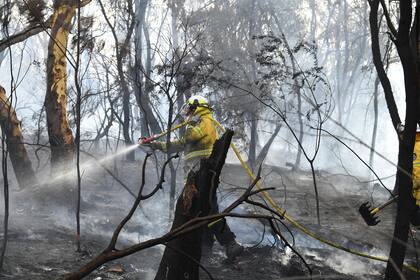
<point x="147" y="140"/>
<point x="296" y="224"/>
<point x="277" y="208"/>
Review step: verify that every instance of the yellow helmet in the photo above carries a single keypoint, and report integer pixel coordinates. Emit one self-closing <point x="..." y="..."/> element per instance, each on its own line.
<point x="195" y="104"/>
<point x="198" y="100"/>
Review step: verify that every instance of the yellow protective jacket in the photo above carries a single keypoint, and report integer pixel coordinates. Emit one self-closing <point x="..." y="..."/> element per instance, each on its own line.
<point x="199" y="136"/>
<point x="416" y="169"/>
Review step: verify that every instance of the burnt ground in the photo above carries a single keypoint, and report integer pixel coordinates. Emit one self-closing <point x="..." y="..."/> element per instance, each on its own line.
<point x="42" y="228"/>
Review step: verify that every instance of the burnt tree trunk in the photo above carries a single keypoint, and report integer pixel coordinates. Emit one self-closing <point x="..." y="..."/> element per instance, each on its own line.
<point x="150" y="118"/>
<point x="375" y="121"/>
<point x="175" y="265"/>
<point x="379" y="66"/>
<point x="264" y="151"/>
<point x="168" y="155"/>
<point x="121" y="53"/>
<point x="143" y="86"/>
<point x="406" y="202"/>
<point x="10" y="124"/>
<point x="253" y="141"/>
<point x="297" y="91"/>
<point x="59" y="132"/>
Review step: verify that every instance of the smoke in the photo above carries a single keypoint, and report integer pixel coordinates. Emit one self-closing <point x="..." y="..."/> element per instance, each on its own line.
<point x="104" y="204"/>
<point x="352" y="265"/>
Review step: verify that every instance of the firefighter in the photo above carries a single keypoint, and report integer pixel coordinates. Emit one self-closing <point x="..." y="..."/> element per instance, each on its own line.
<point x="197" y="143"/>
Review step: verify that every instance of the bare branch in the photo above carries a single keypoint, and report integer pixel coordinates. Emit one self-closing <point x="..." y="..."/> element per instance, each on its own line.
<point x="393" y="30"/>
<point x="21" y="36"/>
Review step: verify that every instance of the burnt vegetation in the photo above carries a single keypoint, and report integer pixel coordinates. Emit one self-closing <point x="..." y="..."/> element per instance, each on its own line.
<point x="312" y="95"/>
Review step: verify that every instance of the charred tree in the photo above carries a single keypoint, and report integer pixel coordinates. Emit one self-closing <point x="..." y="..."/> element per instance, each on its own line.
<point x="253" y="113"/>
<point x="10" y="124"/>
<point x="252" y="157"/>
<point x="298" y="93"/>
<point x="379" y="66"/>
<point x="264" y="151"/>
<point x="177" y="56"/>
<point x="375" y="121"/>
<point x="182" y="255"/>
<point x="143" y="85"/>
<point x="59" y="132"/>
<point x="406" y="203"/>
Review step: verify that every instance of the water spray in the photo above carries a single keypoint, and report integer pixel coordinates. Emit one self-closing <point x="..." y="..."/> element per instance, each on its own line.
<point x="90" y="163"/>
<point x="142" y="141"/>
<point x="127" y="149"/>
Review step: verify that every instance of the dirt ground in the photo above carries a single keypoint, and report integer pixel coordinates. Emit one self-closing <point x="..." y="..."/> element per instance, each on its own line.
<point x="42" y="228"/>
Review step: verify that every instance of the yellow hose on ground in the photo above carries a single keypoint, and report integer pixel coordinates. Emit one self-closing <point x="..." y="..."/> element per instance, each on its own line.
<point x="283" y="212"/>
<point x="295" y="223"/>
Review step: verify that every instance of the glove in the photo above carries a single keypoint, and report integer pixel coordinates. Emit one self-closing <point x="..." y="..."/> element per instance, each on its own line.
<point x="146" y="140"/>
<point x="155" y="145"/>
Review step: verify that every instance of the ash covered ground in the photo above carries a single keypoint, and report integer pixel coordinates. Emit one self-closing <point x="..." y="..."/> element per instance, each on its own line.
<point x="42" y="227"/>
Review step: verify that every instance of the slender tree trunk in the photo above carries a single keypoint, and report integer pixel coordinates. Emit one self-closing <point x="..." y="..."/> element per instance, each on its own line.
<point x="377" y="61"/>
<point x="150" y="117"/>
<point x="253" y="114"/>
<point x="264" y="151"/>
<point x="375" y="121"/>
<point x="171" y="166"/>
<point x="338" y="67"/>
<point x="180" y="98"/>
<point x="406" y="202"/>
<point x="126" y="113"/>
<point x="6" y="198"/>
<point x="142" y="73"/>
<point x="140" y="12"/>
<point x="296" y="89"/>
<point x="78" y="85"/>
<point x="125" y="92"/>
<point x="300" y="139"/>
<point x="253" y="141"/>
<point x="59" y="132"/>
<point x="10" y="124"/>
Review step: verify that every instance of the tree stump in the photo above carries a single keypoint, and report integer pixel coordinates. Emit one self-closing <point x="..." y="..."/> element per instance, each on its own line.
<point x="182" y="254"/>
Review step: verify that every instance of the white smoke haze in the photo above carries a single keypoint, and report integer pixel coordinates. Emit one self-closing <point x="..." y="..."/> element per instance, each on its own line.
<point x="232" y="34"/>
<point x="348" y="264"/>
<point x="103" y="209"/>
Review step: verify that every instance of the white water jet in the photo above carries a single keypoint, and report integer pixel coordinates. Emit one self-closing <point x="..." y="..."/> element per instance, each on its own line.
<point x="87" y="165"/>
